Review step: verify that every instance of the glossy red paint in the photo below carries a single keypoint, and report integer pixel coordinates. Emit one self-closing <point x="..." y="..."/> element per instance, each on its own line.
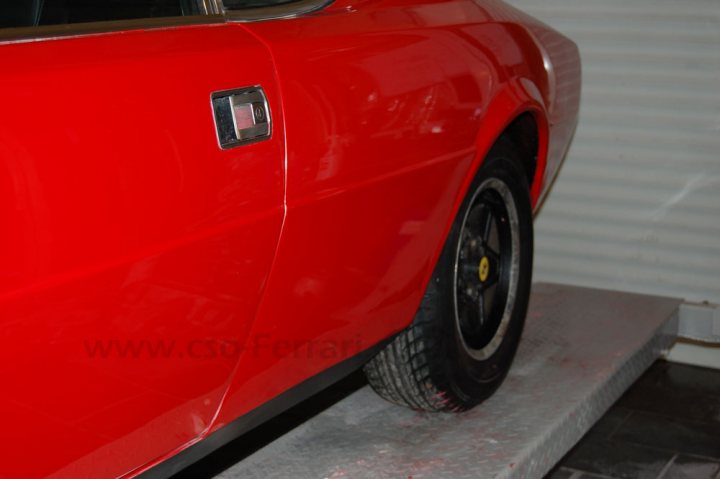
<point x="389" y="111"/>
<point x="234" y="275"/>
<point x="126" y="226"/>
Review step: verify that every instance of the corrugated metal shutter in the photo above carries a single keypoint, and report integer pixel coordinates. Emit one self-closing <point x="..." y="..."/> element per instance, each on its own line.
<point x="637" y="205"/>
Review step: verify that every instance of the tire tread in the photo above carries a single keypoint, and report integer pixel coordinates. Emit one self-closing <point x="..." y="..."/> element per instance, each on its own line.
<point x="401" y="373"/>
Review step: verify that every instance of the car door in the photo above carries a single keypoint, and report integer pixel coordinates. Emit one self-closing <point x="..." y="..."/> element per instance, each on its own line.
<point x="137" y="228"/>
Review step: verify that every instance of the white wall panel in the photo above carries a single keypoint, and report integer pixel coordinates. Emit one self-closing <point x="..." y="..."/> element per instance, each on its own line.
<point x="637" y="204"/>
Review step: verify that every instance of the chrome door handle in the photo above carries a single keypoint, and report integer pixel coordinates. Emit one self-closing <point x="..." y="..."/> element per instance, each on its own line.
<point x="241" y="116"/>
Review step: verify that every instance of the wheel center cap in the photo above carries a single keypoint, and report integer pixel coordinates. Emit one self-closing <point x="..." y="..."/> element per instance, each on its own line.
<point x="484" y="269"/>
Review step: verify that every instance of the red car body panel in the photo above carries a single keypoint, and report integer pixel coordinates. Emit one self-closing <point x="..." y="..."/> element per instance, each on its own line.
<point x="125" y="224"/>
<point x="154" y="287"/>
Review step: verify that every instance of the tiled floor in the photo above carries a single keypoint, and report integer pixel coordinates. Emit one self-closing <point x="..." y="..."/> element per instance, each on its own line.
<point x="667" y="426"/>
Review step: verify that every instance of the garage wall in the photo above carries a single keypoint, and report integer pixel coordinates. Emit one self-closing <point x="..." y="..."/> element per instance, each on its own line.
<point x="637" y="205"/>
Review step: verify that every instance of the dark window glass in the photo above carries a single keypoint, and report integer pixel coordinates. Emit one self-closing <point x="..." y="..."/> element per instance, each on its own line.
<point x="25" y="13"/>
<point x="240" y="4"/>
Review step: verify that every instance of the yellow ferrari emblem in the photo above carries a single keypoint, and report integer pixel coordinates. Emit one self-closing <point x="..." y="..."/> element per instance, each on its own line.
<point x="484" y="269"/>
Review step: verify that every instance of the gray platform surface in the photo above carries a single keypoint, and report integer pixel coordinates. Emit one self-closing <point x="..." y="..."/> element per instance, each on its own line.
<point x="581" y="349"/>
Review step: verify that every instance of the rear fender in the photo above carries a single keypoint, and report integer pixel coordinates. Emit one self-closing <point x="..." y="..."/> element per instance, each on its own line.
<point x="516" y="97"/>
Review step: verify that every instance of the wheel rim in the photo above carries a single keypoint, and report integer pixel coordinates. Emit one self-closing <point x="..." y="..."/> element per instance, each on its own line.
<point x="487" y="262"/>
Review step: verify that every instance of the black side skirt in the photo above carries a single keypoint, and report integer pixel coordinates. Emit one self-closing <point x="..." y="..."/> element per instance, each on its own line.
<point x="261" y="414"/>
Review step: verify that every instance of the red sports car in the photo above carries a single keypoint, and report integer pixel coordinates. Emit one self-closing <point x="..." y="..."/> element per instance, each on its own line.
<point x="211" y="210"/>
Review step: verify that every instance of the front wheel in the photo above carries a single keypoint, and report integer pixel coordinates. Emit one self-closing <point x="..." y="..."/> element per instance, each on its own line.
<point x="462" y="341"/>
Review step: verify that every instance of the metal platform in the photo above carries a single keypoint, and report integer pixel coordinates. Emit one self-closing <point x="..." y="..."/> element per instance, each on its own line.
<point x="581" y="349"/>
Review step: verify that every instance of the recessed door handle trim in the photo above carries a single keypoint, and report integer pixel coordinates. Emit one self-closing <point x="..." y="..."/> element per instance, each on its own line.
<point x="242" y="116"/>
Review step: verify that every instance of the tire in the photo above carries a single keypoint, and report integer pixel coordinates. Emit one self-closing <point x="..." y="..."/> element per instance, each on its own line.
<point x="455" y="353"/>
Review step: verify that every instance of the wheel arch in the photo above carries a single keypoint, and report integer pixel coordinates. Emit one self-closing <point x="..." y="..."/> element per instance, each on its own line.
<point x="518" y="112"/>
<point x="517" y="108"/>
